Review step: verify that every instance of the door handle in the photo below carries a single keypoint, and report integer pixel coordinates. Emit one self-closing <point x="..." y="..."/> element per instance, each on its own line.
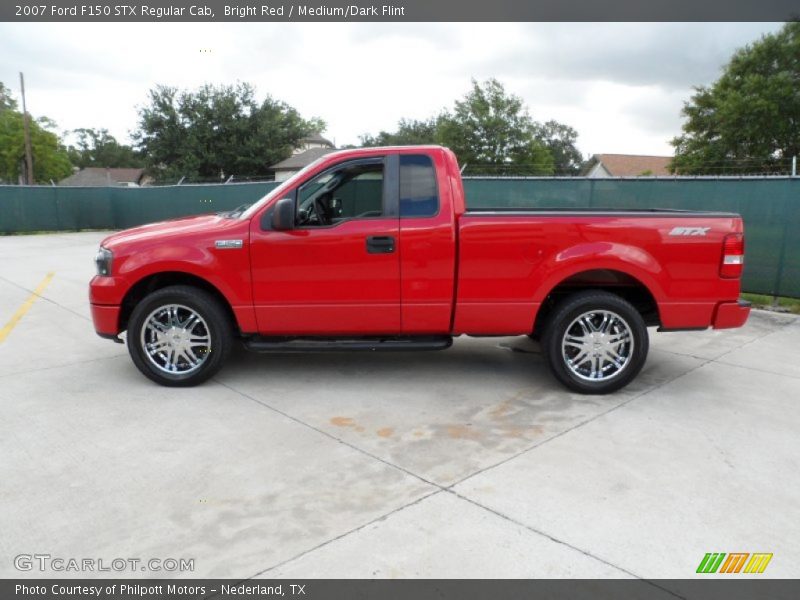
<point x="380" y="244"/>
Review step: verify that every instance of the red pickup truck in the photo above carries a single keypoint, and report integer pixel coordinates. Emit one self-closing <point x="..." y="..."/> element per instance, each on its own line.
<point x="375" y="249"/>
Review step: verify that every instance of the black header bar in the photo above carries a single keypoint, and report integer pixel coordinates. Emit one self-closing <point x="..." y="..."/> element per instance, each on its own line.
<point x="397" y="10"/>
<point x="710" y="588"/>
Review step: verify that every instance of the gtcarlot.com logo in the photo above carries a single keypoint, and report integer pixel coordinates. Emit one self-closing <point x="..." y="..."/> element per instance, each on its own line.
<point x="58" y="564"/>
<point x="736" y="562"/>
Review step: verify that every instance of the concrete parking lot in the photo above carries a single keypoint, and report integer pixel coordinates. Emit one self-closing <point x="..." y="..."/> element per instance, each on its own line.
<point x="471" y="462"/>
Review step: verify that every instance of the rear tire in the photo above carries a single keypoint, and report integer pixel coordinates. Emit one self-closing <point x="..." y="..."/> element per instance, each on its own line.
<point x="595" y="342"/>
<point x="179" y="336"/>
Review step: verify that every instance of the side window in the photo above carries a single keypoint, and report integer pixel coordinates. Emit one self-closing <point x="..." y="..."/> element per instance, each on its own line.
<point x="353" y="191"/>
<point x="418" y="195"/>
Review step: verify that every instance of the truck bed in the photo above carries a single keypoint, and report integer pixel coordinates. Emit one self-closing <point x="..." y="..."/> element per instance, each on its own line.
<point x="511" y="260"/>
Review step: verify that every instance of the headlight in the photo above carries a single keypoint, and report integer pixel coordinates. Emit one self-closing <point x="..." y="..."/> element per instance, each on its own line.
<point x="103" y="261"/>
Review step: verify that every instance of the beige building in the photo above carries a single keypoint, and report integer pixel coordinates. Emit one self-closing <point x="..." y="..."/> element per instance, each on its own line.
<point x="103" y="177"/>
<point x="307" y="151"/>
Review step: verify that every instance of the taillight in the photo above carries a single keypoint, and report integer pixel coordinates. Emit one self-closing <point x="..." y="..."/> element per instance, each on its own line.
<point x="732" y="256"/>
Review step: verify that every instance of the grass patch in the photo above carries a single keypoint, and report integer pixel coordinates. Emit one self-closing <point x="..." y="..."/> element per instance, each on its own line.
<point x="792" y="305"/>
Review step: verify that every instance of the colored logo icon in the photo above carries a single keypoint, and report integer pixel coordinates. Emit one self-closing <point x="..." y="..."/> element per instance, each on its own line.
<point x="736" y="562"/>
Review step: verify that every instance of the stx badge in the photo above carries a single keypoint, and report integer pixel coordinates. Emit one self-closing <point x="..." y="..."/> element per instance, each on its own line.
<point x="689" y="230"/>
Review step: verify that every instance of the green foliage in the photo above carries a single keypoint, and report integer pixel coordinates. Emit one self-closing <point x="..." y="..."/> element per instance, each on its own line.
<point x="50" y="159"/>
<point x="409" y="133"/>
<point x="492" y="133"/>
<point x="216" y="131"/>
<point x="748" y="121"/>
<point x="770" y="302"/>
<point x="100" y="149"/>
<point x="560" y="139"/>
<point x="7" y="102"/>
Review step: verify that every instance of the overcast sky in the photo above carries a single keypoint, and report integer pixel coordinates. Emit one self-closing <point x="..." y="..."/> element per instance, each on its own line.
<point x="620" y="85"/>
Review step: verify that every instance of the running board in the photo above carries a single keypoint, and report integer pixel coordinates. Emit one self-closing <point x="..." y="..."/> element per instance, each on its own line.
<point x="332" y="344"/>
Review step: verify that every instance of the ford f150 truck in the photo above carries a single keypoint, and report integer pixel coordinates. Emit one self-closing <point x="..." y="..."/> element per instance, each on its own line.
<point x="375" y="249"/>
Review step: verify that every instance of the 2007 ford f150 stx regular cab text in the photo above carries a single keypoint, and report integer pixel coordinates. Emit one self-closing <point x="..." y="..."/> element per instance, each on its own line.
<point x="374" y="249"/>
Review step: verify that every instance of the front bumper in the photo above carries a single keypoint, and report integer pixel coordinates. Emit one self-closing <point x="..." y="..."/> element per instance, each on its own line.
<point x="731" y="314"/>
<point x="106" y="320"/>
<point x="105" y="299"/>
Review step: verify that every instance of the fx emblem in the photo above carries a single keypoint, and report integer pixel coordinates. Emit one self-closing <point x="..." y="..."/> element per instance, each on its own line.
<point x="228" y="244"/>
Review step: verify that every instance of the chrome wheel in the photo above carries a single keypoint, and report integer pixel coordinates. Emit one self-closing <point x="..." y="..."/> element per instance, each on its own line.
<point x="175" y="339"/>
<point x="597" y="345"/>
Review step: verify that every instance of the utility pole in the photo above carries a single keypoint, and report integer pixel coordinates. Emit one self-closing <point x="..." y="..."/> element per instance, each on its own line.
<point x="27" y="130"/>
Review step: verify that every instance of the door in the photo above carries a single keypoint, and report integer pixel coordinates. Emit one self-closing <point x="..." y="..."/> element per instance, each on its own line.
<point x="338" y="271"/>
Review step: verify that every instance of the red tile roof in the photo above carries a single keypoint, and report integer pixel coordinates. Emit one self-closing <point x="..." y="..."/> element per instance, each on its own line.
<point x="632" y="165"/>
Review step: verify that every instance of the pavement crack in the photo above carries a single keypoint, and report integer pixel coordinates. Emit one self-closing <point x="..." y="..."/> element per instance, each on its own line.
<point x="577" y="426"/>
<point x="45" y="298"/>
<point x="330" y="435"/>
<point x="644" y="393"/>
<point x="347" y="533"/>
<point x="438" y="488"/>
<point x="61" y="366"/>
<point x="684" y="354"/>
<point x="556" y="540"/>
<point x="780" y="328"/>
<point x="757" y="369"/>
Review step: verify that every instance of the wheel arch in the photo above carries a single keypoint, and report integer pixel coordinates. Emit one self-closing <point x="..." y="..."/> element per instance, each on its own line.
<point x="156" y="281"/>
<point x="613" y="280"/>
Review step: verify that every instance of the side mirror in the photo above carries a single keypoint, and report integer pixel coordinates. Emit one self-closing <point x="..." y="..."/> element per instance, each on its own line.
<point x="283" y="215"/>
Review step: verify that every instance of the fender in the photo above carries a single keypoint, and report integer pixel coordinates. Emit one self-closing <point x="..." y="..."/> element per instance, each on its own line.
<point x="228" y="271"/>
<point x="593" y="256"/>
<point x="231" y="282"/>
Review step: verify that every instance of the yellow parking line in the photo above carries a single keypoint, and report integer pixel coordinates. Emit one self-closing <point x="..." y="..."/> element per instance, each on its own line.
<point x="25" y="307"/>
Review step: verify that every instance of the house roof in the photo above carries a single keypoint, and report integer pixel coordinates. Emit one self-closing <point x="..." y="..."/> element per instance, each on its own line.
<point x="630" y="165"/>
<point x="316" y="138"/>
<point x="101" y="176"/>
<point x="303" y="159"/>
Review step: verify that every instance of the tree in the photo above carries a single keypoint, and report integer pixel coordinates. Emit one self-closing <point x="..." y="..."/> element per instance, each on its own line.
<point x="50" y="159"/>
<point x="492" y="133"/>
<point x="748" y="121"/>
<point x="217" y="131"/>
<point x="409" y="133"/>
<point x="7" y="102"/>
<point x="98" y="148"/>
<point x="560" y="139"/>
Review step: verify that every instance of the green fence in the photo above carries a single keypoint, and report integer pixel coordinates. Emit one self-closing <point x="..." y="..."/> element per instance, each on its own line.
<point x="770" y="207"/>
<point x="25" y="209"/>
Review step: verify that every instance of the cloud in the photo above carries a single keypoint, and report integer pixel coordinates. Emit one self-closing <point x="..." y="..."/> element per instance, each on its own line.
<point x="621" y="85"/>
<point x="670" y="55"/>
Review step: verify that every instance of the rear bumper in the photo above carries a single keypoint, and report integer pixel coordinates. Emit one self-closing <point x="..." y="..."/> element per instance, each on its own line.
<point x="106" y="320"/>
<point x="731" y="314"/>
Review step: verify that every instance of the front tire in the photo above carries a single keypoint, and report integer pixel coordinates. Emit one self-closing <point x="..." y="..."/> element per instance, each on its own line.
<point x="179" y="336"/>
<point x="595" y="342"/>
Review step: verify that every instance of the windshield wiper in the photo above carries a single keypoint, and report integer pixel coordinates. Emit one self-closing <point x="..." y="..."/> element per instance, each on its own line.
<point x="236" y="212"/>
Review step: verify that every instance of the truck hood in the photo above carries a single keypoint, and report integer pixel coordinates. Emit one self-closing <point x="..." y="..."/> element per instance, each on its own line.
<point x="213" y="225"/>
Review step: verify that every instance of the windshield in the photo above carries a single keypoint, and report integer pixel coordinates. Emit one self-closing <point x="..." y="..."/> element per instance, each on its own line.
<point x="281" y="189"/>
